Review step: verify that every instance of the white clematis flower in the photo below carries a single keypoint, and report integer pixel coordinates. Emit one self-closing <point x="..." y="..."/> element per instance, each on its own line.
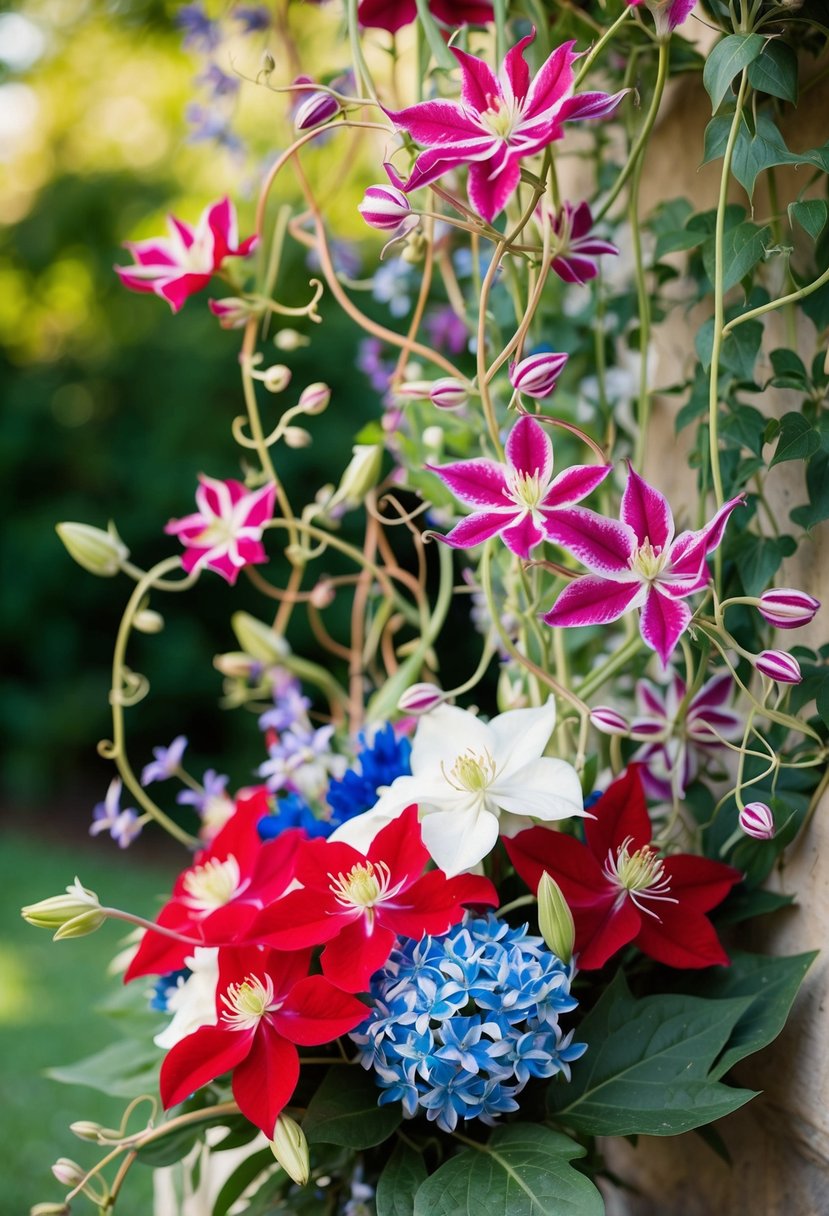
<point x="473" y="780"/>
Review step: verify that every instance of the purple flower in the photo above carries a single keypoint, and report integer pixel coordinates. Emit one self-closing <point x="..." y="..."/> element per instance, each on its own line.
<point x="636" y="562"/>
<point x="253" y="18"/>
<point x="123" y="826"/>
<point x="200" y="32"/>
<point x="384" y="207"/>
<point x="313" y="107"/>
<point x="219" y="83"/>
<point x="519" y="499"/>
<point x="211" y="126"/>
<point x="498" y="122"/>
<point x="212" y="803"/>
<point x="574" y="260"/>
<point x="671" y="761"/>
<point x="167" y="762"/>
<point x="447" y="331"/>
<point x="778" y="666"/>
<point x="756" y="819"/>
<point x="667" y="14"/>
<point x="536" y="376"/>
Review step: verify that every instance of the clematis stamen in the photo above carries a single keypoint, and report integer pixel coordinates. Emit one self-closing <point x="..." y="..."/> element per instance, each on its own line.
<point x="248" y="1002"/>
<point x="365" y="885"/>
<point x="648" y="560"/>
<point x="639" y="874"/>
<point x="471" y="773"/>
<point x="212" y="885"/>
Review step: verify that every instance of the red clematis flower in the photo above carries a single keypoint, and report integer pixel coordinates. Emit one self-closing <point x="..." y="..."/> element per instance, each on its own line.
<point x="392" y="15"/>
<point x="359" y="903"/>
<point x="621" y="891"/>
<point x="216" y="899"/>
<point x="266" y="1003"/>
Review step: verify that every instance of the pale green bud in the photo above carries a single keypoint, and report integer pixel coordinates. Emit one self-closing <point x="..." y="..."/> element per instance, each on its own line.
<point x="277" y="378"/>
<point x="361" y="475"/>
<point x="296" y="437"/>
<point x="100" y="552"/>
<point x="68" y="1172"/>
<point x="85" y="1129"/>
<point x="258" y="639"/>
<point x="290" y="339"/>
<point x="235" y="664"/>
<point x="148" y="621"/>
<point x="49" y="1209"/>
<point x="314" y="398"/>
<point x="555" y="920"/>
<point x="290" y="1148"/>
<point x="74" y="914"/>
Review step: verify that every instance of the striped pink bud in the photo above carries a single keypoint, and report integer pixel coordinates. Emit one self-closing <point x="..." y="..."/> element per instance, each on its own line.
<point x="314" y="108"/>
<point x="536" y="375"/>
<point x="609" y="721"/>
<point x="779" y="666"/>
<point x="419" y="699"/>
<point x="787" y="608"/>
<point x="757" y="820"/>
<point x="448" y="393"/>
<point x="384" y="207"/>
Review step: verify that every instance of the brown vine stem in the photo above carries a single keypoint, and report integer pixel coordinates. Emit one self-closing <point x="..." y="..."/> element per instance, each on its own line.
<point x="420" y="307"/>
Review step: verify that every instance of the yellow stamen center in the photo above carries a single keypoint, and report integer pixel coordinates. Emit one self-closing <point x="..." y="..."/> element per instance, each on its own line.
<point x="500" y="117"/>
<point x="365" y="885"/>
<point x="649" y="562"/>
<point x="527" y="489"/>
<point x="212" y="885"/>
<point x="247" y="1002"/>
<point x="471" y="772"/>
<point x="639" y="875"/>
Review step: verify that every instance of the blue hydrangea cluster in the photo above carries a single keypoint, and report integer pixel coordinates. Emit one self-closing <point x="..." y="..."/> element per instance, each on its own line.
<point x="378" y="763"/>
<point x="460" y="1023"/>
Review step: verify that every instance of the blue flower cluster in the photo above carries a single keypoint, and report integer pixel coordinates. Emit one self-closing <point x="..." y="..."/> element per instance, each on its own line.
<point x="378" y="763"/>
<point x="461" y="1022"/>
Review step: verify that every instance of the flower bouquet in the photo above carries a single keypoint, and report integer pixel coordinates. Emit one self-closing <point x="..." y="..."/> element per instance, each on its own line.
<point x="482" y="904"/>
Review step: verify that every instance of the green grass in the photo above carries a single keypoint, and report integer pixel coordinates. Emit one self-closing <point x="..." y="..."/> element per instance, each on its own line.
<point x="48" y="997"/>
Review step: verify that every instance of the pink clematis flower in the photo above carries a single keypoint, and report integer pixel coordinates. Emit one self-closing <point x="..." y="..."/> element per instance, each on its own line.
<point x="266" y="1006"/>
<point x="575" y="259"/>
<point x="636" y="562"/>
<point x="392" y="15"/>
<point x="225" y="533"/>
<point x="667" y="14"/>
<point x="671" y="761"/>
<point x="498" y="122"/>
<point x="360" y="903"/>
<point x="181" y="264"/>
<point x="519" y="499"/>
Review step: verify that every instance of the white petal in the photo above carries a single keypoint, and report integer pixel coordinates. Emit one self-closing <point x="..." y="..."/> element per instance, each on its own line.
<point x="458" y="840"/>
<point x="544" y="789"/>
<point x="521" y="735"/>
<point x="443" y="735"/>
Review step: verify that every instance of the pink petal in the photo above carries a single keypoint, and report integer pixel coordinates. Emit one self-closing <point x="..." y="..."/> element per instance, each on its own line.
<point x="662" y="623"/>
<point x="529" y="450"/>
<point x="477" y="483"/>
<point x="603" y="545"/>
<point x="223" y="566"/>
<point x="133" y="281"/>
<point x="553" y="82"/>
<point x="574" y="484"/>
<point x="215" y="497"/>
<point x="713" y="531"/>
<point x="260" y="506"/>
<point x="153" y="252"/>
<point x="646" y="511"/>
<point x="491" y="184"/>
<point x="591" y="105"/>
<point x="593" y="601"/>
<point x="581" y="221"/>
<point x="650" y="700"/>
<point x="475" y="529"/>
<point x="515" y="67"/>
<point x="221" y="220"/>
<point x="177" y="291"/>
<point x="434" y="162"/>
<point x="441" y="123"/>
<point x="726" y="722"/>
<point x="522" y="536"/>
<point x="571" y="268"/>
<point x="479" y="85"/>
<point x="185" y="232"/>
<point x="390" y="15"/>
<point x="686" y="571"/>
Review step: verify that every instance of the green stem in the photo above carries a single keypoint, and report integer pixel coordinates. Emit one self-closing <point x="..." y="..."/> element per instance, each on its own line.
<point x="791" y="298"/>
<point x="644" y="408"/>
<point x="622" y="656"/>
<point x="641" y="140"/>
<point x="606" y="37"/>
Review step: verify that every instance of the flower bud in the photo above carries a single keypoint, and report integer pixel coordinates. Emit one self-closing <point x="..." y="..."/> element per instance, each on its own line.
<point x="314" y="398"/>
<point x="315" y="108"/>
<point x="555" y="920"/>
<point x="512" y="692"/>
<point x="276" y="378"/>
<point x="235" y="664"/>
<point x="536" y="375"/>
<point x="148" y="621"/>
<point x="448" y="393"/>
<point x="290" y="340"/>
<point x="787" y="608"/>
<point x="97" y="551"/>
<point x="414" y="251"/>
<point x="757" y="820"/>
<point x="609" y="721"/>
<point x="296" y="437"/>
<point x="258" y="639"/>
<point x="433" y="440"/>
<point x="84" y="1129"/>
<point x="68" y="1172"/>
<point x="290" y="1148"/>
<point x="323" y="594"/>
<point x="778" y="666"/>
<point x="414" y="390"/>
<point x="74" y="914"/>
<point x="361" y="475"/>
<point x="233" y="312"/>
<point x="49" y="1209"/>
<point x="384" y="207"/>
<point x="420" y="699"/>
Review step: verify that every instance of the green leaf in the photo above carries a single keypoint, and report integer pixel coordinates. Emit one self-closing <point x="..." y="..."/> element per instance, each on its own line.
<point x="789" y="370"/>
<point x="775" y="71"/>
<point x="745" y="904"/>
<point x="817" y="485"/>
<point x="822" y="702"/>
<point x="344" y="1111"/>
<point x="744" y="427"/>
<point x="753" y="153"/>
<point x="730" y="56"/>
<point x="811" y="214"/>
<point x="124" y="1070"/>
<point x="771" y="984"/>
<point x="524" y="1170"/>
<point x="798" y="439"/>
<point x="676" y="242"/>
<point x="399" y="1182"/>
<point x="169" y="1149"/>
<point x="646" y="1069"/>
<point x="743" y="247"/>
<point x="758" y="558"/>
<point x="241" y="1178"/>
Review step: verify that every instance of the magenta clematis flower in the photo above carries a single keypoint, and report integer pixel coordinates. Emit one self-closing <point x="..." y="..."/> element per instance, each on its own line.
<point x="181" y="264"/>
<point x="498" y="122"/>
<point x="635" y="562"/>
<point x="225" y="533"/>
<point x="575" y="259"/>
<point x="392" y="15"/>
<point x="519" y="499"/>
<point x="667" y="14"/>
<point x="671" y="761"/>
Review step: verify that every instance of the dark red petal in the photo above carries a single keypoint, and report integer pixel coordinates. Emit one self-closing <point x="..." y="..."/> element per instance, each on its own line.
<point x="698" y="882"/>
<point x="264" y="1082"/>
<point x="602" y="930"/>
<point x="350" y="960"/>
<point x="317" y="1012"/>
<point x="682" y="937"/>
<point x="570" y="863"/>
<point x="207" y="1053"/>
<point x="620" y="812"/>
<point x="158" y="954"/>
<point x="434" y="903"/>
<point x="400" y="846"/>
